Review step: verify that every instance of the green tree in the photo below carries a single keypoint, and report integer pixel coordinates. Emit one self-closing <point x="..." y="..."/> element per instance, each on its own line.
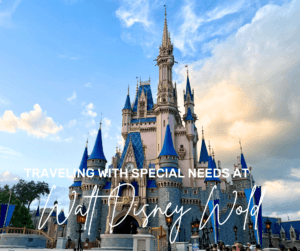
<point x="27" y="192"/>
<point x="21" y="216"/>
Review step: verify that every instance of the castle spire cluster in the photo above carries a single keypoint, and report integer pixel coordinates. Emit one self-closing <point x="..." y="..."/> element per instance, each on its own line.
<point x="156" y="136"/>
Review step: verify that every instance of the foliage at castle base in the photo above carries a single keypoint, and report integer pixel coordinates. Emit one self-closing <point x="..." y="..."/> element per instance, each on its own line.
<point x="28" y="191"/>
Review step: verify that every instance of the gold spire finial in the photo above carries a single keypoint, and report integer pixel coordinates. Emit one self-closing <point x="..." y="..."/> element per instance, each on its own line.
<point x="241" y="146"/>
<point x="128" y="90"/>
<point x="165" y="11"/>
<point x="209" y="148"/>
<point x="187" y="70"/>
<point x="213" y="153"/>
<point x="202" y="133"/>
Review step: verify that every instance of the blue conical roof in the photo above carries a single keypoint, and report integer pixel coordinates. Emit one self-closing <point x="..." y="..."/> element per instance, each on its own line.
<point x="203" y="153"/>
<point x="188" y="89"/>
<point x="38" y="211"/>
<point x="243" y="162"/>
<point x="83" y="163"/>
<point x="127" y="103"/>
<point x="168" y="147"/>
<point x="212" y="166"/>
<point x="189" y="115"/>
<point x="98" y="148"/>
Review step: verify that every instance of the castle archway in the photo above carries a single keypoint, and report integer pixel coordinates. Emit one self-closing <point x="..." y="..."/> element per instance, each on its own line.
<point x="125" y="226"/>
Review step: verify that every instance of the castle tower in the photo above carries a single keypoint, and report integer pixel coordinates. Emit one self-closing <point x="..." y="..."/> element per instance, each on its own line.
<point x="126" y="116"/>
<point x="168" y="187"/>
<point x="166" y="110"/>
<point x="96" y="161"/>
<point x="76" y="187"/>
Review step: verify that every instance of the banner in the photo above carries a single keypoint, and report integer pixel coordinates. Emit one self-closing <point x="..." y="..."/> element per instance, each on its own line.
<point x="8" y="216"/>
<point x="214" y="218"/>
<point x="254" y="201"/>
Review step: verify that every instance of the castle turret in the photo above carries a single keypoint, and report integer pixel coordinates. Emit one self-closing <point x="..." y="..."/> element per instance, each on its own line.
<point x="126" y="116"/>
<point x="97" y="162"/>
<point x="76" y="186"/>
<point x="168" y="187"/>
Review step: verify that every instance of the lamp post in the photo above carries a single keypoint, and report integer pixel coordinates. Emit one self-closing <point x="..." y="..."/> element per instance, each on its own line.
<point x="99" y="235"/>
<point x="197" y="223"/>
<point x="179" y="230"/>
<point x="211" y="229"/>
<point x="204" y="231"/>
<point x="235" y="228"/>
<point x="80" y="220"/>
<point x="250" y="225"/>
<point x="169" y="220"/>
<point x="268" y="224"/>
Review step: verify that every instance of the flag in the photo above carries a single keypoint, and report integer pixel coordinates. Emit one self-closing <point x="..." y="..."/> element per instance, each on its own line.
<point x="8" y="216"/>
<point x="214" y="220"/>
<point x="256" y="219"/>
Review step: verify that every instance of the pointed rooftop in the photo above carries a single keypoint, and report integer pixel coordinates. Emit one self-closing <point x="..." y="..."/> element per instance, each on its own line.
<point x="203" y="153"/>
<point x="98" y="148"/>
<point x="37" y="213"/>
<point x="166" y="40"/>
<point x="188" y="89"/>
<point x="212" y="166"/>
<point x="189" y="115"/>
<point x="83" y="163"/>
<point x="243" y="162"/>
<point x="127" y="102"/>
<point x="168" y="147"/>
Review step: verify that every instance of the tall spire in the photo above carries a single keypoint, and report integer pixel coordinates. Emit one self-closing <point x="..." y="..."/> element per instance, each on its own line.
<point x="98" y="147"/>
<point x="188" y="89"/>
<point x="166" y="37"/>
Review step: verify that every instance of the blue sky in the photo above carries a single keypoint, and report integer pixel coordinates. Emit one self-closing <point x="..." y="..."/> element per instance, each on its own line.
<point x="64" y="62"/>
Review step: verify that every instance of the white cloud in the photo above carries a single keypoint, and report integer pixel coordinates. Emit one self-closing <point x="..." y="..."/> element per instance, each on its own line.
<point x="106" y="127"/>
<point x="88" y="111"/>
<point x="88" y="85"/>
<point x="73" y="97"/>
<point x="35" y="123"/>
<point x="295" y="172"/>
<point x="6" y="14"/>
<point x="131" y="12"/>
<point x="6" y="152"/>
<point x="7" y="178"/>
<point x="248" y="87"/>
<point x="72" y="123"/>
<point x="69" y="139"/>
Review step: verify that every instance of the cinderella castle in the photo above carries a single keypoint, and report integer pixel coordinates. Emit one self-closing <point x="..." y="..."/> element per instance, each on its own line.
<point x="157" y="136"/>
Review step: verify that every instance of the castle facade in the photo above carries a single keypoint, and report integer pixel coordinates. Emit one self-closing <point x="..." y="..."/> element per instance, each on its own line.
<point x="157" y="136"/>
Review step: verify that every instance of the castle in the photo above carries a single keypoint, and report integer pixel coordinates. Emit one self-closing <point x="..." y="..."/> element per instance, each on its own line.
<point x="157" y="136"/>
